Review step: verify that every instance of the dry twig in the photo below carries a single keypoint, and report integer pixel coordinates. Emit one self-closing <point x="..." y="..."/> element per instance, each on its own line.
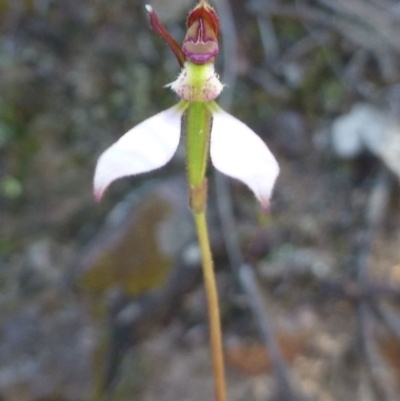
<point x="375" y="213"/>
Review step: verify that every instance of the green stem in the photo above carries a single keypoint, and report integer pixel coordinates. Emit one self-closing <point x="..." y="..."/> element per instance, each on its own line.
<point x="197" y="122"/>
<point x="213" y="308"/>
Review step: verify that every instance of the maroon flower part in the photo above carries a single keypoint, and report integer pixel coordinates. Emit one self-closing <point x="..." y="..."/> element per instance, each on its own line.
<point x="160" y="29"/>
<point x="201" y="42"/>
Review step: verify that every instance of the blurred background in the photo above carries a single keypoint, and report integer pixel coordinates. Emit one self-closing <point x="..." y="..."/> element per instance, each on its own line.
<point x="105" y="301"/>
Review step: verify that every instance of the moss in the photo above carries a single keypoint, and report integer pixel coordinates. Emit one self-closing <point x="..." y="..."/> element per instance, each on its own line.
<point x="134" y="263"/>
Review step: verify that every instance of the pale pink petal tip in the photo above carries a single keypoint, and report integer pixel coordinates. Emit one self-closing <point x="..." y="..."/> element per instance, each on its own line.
<point x="239" y="152"/>
<point x="146" y="147"/>
<point x="265" y="206"/>
<point x="98" y="194"/>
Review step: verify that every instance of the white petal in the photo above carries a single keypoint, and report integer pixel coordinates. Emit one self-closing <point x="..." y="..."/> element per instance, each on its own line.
<point x="146" y="147"/>
<point x="239" y="152"/>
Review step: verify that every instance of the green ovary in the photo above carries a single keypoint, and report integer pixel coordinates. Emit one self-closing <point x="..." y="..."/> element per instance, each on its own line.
<point x="197" y="122"/>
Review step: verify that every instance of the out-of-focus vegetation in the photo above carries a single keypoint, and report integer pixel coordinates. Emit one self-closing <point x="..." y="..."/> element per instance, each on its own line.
<point x="104" y="300"/>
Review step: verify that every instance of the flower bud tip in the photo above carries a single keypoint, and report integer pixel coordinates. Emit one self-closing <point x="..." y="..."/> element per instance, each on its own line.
<point x="149" y="8"/>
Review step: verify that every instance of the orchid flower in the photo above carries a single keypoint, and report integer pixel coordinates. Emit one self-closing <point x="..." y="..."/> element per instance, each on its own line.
<point x="234" y="148"/>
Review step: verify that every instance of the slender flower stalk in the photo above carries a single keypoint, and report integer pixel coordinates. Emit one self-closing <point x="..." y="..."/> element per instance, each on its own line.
<point x="213" y="306"/>
<point x="234" y="148"/>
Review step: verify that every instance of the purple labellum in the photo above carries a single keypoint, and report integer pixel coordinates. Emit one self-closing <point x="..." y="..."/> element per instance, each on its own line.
<point x="200" y="44"/>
